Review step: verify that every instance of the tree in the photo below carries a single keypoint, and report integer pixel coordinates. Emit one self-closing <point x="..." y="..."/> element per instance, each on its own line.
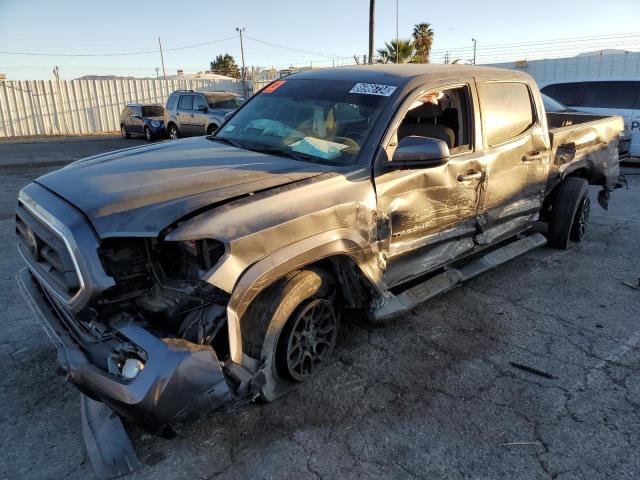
<point x="400" y="51"/>
<point x="422" y="40"/>
<point x="225" y="65"/>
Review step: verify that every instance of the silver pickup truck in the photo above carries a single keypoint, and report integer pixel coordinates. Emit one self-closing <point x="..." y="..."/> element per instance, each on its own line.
<point x="180" y="277"/>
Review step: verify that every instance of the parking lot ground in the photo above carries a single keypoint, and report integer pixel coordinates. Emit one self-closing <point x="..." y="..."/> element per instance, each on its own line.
<point x="437" y="393"/>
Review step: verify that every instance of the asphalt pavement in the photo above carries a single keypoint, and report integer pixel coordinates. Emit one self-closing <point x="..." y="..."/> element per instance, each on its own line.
<point x="528" y="371"/>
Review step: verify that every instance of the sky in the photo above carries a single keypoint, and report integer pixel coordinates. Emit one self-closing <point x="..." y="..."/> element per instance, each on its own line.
<point x="280" y="33"/>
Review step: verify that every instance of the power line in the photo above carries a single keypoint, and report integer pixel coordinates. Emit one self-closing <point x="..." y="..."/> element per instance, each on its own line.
<point x="290" y="48"/>
<point x="119" y="54"/>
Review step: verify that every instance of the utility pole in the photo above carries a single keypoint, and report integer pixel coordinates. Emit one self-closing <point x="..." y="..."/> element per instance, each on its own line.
<point x="157" y="74"/>
<point x="474" y="49"/>
<point x="244" y="85"/>
<point x="372" y="11"/>
<point x="397" y="36"/>
<point x="164" y="73"/>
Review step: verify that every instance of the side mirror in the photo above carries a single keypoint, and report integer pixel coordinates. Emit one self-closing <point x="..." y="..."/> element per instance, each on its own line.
<point x="420" y="152"/>
<point x="202" y="108"/>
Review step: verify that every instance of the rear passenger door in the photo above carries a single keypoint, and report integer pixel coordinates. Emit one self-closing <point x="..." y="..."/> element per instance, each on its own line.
<point x="517" y="150"/>
<point x="137" y="124"/>
<point x="185" y="115"/>
<point x="200" y="117"/>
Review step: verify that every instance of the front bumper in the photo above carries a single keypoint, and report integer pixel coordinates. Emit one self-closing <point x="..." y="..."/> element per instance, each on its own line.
<point x="179" y="380"/>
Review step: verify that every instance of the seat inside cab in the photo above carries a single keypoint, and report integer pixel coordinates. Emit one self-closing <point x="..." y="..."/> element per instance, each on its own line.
<point x="442" y="115"/>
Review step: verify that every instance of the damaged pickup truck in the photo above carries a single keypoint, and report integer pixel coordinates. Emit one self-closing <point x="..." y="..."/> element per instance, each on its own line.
<point x="180" y="277"/>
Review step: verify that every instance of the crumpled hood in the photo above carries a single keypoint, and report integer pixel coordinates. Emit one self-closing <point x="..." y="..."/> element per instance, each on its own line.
<point x="142" y="190"/>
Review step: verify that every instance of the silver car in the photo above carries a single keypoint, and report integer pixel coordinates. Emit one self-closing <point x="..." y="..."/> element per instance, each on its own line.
<point x="191" y="113"/>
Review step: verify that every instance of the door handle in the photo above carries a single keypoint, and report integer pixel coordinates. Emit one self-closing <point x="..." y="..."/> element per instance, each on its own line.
<point x="191" y="114"/>
<point x="472" y="175"/>
<point x="532" y="156"/>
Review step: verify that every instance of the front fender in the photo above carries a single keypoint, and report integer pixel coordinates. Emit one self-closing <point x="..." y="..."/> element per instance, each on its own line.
<point x="293" y="257"/>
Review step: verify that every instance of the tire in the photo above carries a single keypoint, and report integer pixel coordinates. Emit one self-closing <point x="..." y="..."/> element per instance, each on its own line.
<point x="568" y="209"/>
<point x="291" y="330"/>
<point x="147" y="134"/>
<point x="211" y="129"/>
<point x="123" y="132"/>
<point x="173" y="132"/>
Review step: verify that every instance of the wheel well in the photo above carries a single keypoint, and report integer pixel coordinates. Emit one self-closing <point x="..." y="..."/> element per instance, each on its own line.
<point x="170" y="124"/>
<point x="355" y="290"/>
<point x="211" y="126"/>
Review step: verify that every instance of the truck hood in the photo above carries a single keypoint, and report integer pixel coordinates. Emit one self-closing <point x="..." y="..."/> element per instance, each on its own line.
<point x="140" y="191"/>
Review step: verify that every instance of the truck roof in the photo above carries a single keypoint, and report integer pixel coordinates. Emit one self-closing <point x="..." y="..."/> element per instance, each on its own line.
<point x="400" y="74"/>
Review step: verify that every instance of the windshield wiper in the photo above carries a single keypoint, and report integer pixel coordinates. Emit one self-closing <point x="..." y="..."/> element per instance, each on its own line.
<point x="228" y="141"/>
<point x="283" y="152"/>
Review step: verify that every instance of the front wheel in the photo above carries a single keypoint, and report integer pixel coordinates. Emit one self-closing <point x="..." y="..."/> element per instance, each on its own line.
<point x="211" y="129"/>
<point x="291" y="329"/>
<point x="173" y="132"/>
<point x="123" y="132"/>
<point x="147" y="134"/>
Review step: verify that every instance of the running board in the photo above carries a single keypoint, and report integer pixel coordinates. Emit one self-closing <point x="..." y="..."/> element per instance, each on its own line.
<point x="453" y="277"/>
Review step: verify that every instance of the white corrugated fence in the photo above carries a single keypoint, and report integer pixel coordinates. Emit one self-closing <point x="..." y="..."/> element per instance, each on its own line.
<point x="77" y="107"/>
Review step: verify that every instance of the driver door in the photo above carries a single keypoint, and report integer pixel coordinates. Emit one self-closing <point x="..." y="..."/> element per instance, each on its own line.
<point x="430" y="212"/>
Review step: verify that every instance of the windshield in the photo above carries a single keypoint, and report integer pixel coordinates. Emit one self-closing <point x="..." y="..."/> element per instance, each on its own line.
<point x="323" y="121"/>
<point x="551" y="105"/>
<point x="152" y="111"/>
<point x="226" y="101"/>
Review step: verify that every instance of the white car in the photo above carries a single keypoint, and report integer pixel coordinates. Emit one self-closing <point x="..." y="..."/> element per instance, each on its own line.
<point x="604" y="97"/>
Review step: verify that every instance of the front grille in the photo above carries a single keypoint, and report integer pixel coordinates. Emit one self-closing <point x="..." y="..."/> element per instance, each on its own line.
<point x="47" y="252"/>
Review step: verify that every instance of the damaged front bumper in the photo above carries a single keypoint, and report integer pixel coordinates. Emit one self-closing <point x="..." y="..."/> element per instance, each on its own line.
<point x="179" y="380"/>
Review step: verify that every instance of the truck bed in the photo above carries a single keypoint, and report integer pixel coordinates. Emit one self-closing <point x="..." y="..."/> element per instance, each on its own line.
<point x="585" y="144"/>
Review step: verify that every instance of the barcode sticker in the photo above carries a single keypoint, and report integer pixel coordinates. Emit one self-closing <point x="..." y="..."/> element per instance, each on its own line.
<point x="373" y="89"/>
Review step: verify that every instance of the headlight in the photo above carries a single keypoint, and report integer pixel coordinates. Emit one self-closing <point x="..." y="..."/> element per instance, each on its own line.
<point x="155" y="123"/>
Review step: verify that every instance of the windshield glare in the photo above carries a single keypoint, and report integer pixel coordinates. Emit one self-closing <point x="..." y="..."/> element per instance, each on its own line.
<point x="320" y="120"/>
<point x="551" y="105"/>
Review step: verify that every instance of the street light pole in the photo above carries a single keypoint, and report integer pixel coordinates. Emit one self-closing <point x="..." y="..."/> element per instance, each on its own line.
<point x="372" y="11"/>
<point x="164" y="73"/>
<point x="397" y="36"/>
<point x="474" y="49"/>
<point x="244" y="85"/>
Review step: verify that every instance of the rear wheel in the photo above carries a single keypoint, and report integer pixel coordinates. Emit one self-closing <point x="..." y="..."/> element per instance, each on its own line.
<point x="291" y="329"/>
<point x="173" y="132"/>
<point x="569" y="214"/>
<point x="123" y="132"/>
<point x="211" y="129"/>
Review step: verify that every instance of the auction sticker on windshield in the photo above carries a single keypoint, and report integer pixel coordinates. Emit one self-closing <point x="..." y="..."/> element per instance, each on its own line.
<point x="273" y="86"/>
<point x="373" y="89"/>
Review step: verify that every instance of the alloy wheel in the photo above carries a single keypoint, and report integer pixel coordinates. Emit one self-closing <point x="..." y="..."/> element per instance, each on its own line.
<point x="311" y="339"/>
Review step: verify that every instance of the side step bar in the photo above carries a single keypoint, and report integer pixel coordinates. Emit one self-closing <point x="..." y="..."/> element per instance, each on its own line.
<point x="452" y="277"/>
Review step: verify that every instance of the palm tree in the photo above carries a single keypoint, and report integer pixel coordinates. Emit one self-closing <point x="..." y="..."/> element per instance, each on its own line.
<point x="400" y="51"/>
<point x="423" y="40"/>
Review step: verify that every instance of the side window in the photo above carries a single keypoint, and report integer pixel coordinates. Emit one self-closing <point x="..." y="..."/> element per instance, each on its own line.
<point x="507" y="110"/>
<point x="172" y="102"/>
<point x="186" y="102"/>
<point x="199" y="103"/>
<point x="441" y="114"/>
<point x="610" y="94"/>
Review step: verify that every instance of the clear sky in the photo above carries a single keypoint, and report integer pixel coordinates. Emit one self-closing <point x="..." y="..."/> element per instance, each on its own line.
<point x="321" y="32"/>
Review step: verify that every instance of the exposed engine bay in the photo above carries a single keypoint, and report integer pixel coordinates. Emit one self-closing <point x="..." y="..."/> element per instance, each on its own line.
<point x="159" y="284"/>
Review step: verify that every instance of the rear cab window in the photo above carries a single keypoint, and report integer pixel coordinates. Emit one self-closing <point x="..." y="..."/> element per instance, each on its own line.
<point x="507" y="111"/>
